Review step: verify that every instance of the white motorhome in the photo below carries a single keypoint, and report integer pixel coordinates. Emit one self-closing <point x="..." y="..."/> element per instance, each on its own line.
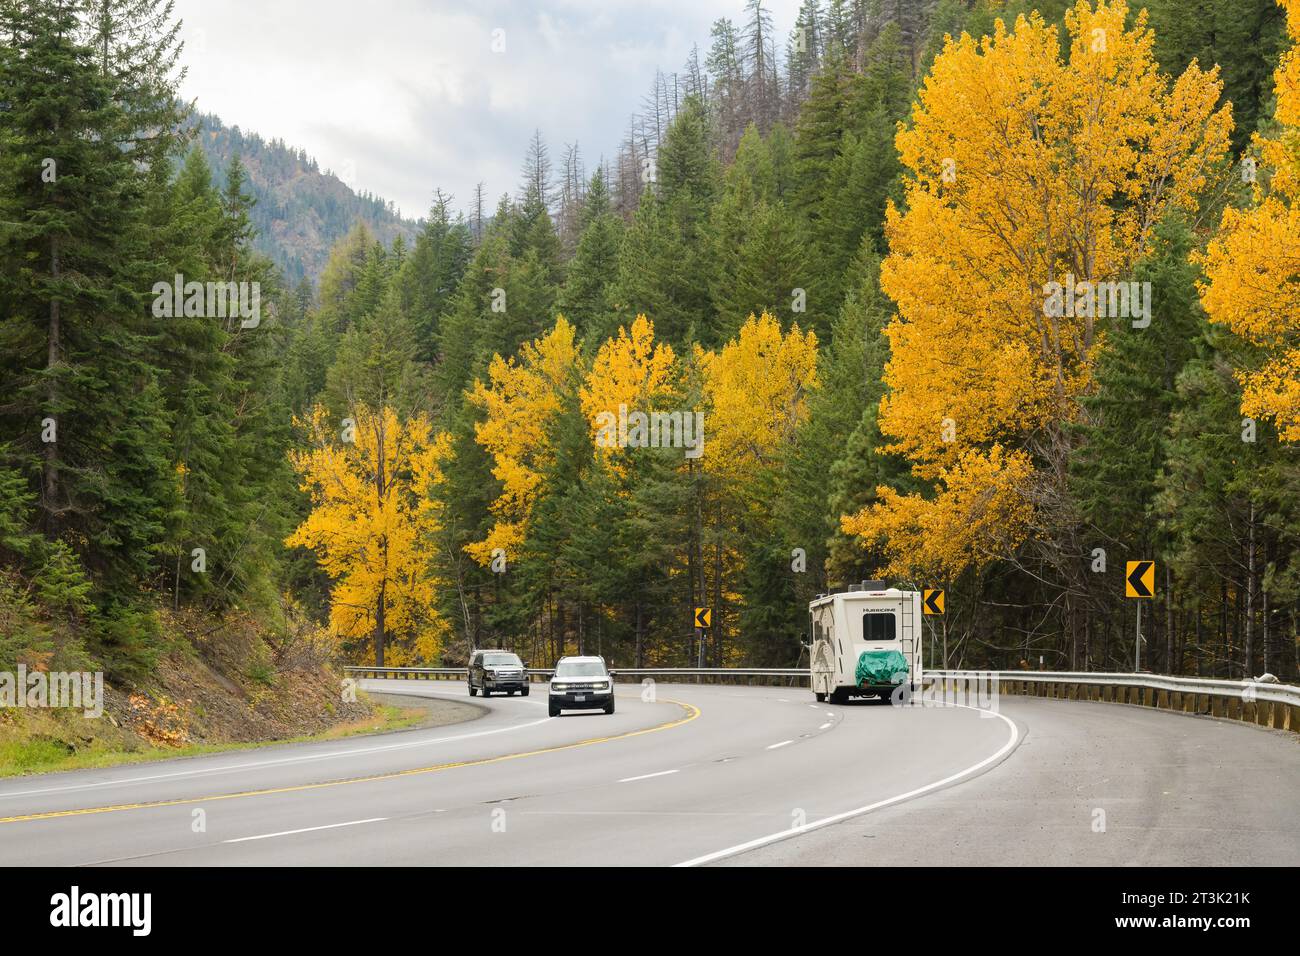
<point x="868" y="617"/>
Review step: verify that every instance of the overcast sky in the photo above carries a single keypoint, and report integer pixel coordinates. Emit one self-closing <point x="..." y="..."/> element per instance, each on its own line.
<point x="402" y="96"/>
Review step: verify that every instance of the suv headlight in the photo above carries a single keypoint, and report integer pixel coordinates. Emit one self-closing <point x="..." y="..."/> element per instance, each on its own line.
<point x="600" y="685"/>
<point x="559" y="687"/>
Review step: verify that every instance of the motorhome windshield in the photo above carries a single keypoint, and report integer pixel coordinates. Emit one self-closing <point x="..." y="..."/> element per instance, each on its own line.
<point x="878" y="627"/>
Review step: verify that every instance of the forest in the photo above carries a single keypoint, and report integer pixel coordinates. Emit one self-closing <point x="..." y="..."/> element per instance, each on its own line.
<point x="832" y="250"/>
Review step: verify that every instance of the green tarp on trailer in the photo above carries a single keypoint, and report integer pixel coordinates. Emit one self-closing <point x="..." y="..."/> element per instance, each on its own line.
<point x="881" y="667"/>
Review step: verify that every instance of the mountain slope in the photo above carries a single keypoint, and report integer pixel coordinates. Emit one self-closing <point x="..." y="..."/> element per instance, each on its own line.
<point x="301" y="210"/>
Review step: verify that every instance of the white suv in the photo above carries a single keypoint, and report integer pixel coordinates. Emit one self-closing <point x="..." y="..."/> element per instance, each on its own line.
<point x="581" y="683"/>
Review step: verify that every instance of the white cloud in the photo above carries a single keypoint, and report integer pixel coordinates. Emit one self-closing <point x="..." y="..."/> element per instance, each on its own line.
<point x="410" y="94"/>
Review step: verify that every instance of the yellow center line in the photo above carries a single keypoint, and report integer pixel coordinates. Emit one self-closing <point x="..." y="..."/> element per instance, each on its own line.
<point x="691" y="713"/>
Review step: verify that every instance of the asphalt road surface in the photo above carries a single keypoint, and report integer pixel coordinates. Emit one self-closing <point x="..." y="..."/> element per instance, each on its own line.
<point x="700" y="775"/>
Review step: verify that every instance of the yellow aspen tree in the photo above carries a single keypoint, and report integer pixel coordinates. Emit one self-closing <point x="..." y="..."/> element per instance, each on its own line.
<point x="630" y="370"/>
<point x="1252" y="266"/>
<point x="520" y="400"/>
<point x="1036" y="174"/>
<point x="372" y="524"/>
<point x="756" y="391"/>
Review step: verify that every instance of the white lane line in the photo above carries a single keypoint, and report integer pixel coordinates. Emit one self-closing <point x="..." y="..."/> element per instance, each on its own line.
<point x="226" y="768"/>
<point x="647" y="776"/>
<point x="849" y="814"/>
<point x="824" y="726"/>
<point x="781" y="744"/>
<point x="830" y="713"/>
<point x="328" y="826"/>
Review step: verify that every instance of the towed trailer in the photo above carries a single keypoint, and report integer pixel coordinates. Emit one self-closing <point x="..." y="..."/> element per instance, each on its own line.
<point x="865" y="642"/>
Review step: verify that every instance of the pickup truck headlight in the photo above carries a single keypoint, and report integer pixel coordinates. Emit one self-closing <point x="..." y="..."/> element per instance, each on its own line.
<point x="600" y="685"/>
<point x="559" y="687"/>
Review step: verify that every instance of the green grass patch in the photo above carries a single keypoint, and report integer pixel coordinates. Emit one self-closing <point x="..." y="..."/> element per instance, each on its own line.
<point x="41" y="752"/>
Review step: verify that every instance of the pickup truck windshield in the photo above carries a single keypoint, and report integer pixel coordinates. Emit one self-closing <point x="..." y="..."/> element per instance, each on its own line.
<point x="501" y="660"/>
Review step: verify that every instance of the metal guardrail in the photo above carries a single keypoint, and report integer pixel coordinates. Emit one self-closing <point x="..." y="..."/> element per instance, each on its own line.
<point x="790" y="675"/>
<point x="1243" y="689"/>
<point x="409" y="673"/>
<point x="1266" y="704"/>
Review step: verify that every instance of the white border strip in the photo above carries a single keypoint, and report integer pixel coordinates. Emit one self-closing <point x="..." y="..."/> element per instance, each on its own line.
<point x="647" y="776"/>
<point x="849" y="814"/>
<point x="328" y="826"/>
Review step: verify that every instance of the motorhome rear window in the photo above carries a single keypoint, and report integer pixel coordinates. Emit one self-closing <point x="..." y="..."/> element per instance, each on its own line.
<point x="878" y="627"/>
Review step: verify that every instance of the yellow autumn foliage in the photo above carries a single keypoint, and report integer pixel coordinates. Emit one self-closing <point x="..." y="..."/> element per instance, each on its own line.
<point x="1252" y="266"/>
<point x="755" y="392"/>
<point x="520" y="400"/>
<point x="630" y="369"/>
<point x="372" y="522"/>
<point x="1029" y="164"/>
<point x="978" y="514"/>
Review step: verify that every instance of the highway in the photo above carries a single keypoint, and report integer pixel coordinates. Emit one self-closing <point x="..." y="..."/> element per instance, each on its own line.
<point x="702" y="775"/>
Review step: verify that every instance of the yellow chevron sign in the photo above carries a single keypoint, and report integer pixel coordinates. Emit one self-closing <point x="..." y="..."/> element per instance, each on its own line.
<point x="1140" y="579"/>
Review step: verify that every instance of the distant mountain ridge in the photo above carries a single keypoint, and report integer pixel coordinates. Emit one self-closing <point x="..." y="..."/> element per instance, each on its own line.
<point x="301" y="210"/>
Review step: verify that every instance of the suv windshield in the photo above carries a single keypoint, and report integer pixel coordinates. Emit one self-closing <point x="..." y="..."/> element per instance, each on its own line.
<point x="580" y="669"/>
<point x="501" y="660"/>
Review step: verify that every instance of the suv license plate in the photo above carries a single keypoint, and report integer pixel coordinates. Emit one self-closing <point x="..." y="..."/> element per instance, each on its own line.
<point x="579" y="698"/>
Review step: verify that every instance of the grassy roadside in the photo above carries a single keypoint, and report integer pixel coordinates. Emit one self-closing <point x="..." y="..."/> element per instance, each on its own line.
<point x="36" y="751"/>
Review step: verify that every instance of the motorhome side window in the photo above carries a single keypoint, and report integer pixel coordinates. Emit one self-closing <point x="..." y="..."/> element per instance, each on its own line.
<point x="877" y="627"/>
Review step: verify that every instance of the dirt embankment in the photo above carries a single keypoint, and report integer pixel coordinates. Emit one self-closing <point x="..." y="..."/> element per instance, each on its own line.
<point x="212" y="689"/>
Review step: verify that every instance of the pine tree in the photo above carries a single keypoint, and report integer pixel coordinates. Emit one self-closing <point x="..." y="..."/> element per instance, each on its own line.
<point x="586" y="297"/>
<point x="819" y="129"/>
<point x="428" y="278"/>
<point x="75" y="340"/>
<point x="663" y="266"/>
<point x="803" y="56"/>
<point x="685" y="168"/>
<point x="724" y="63"/>
<point x="1244" y="37"/>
